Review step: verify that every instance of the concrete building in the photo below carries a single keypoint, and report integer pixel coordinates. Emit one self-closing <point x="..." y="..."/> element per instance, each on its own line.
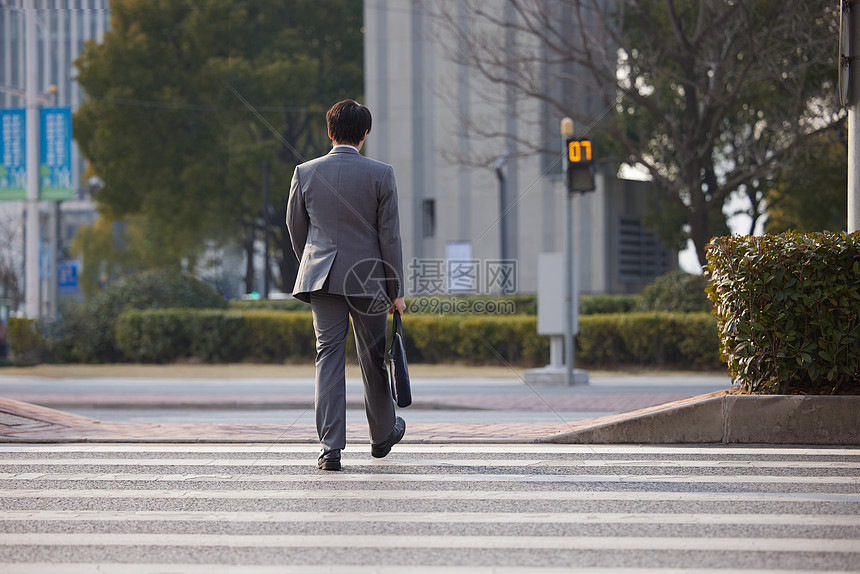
<point x="512" y="207"/>
<point x="63" y="28"/>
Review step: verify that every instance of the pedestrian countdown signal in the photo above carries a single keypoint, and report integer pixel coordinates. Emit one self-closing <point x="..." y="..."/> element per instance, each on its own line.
<point x="580" y="165"/>
<point x="579" y="151"/>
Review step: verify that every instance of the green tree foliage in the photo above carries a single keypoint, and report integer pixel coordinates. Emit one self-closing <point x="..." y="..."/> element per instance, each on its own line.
<point x="707" y="97"/>
<point x="186" y="99"/>
<point x="114" y="249"/>
<point x="811" y="194"/>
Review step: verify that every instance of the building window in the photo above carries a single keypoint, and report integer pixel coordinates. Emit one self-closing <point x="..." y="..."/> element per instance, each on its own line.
<point x="641" y="257"/>
<point x="428" y="210"/>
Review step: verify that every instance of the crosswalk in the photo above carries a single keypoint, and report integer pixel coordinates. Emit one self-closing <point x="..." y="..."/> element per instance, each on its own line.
<point x="476" y="508"/>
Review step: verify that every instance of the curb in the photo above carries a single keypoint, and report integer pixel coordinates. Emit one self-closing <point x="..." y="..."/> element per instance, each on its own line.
<point x="723" y="418"/>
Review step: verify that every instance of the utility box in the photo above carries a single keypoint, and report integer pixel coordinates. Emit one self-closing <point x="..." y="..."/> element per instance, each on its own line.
<point x="552" y="306"/>
<point x="551" y="299"/>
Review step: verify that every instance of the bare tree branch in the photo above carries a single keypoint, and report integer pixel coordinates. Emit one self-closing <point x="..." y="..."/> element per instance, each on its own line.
<point x="708" y="97"/>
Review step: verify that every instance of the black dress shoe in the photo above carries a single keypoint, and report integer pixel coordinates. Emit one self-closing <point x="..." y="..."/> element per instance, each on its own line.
<point x="383" y="448"/>
<point x="329" y="460"/>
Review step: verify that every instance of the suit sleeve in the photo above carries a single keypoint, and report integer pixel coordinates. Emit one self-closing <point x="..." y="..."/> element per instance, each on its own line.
<point x="388" y="224"/>
<point x="297" y="216"/>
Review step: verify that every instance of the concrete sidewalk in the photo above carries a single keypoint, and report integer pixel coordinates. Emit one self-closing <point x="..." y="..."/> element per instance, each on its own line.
<point x="33" y="399"/>
<point x="24" y="422"/>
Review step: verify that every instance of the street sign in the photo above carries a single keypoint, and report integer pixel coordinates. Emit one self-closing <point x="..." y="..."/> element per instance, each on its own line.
<point x="580" y="165"/>
<point x="55" y="151"/>
<point x="67" y="278"/>
<point x="13" y="154"/>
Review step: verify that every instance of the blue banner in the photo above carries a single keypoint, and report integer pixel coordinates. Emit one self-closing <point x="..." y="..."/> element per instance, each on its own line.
<point x="55" y="151"/>
<point x="13" y="154"/>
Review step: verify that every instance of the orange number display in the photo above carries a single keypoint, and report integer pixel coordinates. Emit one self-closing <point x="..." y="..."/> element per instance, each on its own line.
<point x="578" y="151"/>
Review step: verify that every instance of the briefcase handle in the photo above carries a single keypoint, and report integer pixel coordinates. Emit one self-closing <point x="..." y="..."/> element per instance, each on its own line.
<point x="397" y="323"/>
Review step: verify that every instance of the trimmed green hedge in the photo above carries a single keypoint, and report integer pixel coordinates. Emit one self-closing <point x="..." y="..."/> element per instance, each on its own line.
<point x="26" y="342"/>
<point x="676" y="291"/>
<point x="448" y="304"/>
<point x="788" y="310"/>
<point x="276" y="336"/>
<point x="678" y="340"/>
<point x="86" y="332"/>
<point x="600" y="304"/>
<point x="268" y="305"/>
<point x="165" y="335"/>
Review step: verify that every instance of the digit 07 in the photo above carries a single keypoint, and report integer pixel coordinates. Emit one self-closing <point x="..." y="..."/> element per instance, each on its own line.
<point x="578" y="151"/>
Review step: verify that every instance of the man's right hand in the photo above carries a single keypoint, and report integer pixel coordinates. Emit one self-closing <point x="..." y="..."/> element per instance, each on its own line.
<point x="399" y="304"/>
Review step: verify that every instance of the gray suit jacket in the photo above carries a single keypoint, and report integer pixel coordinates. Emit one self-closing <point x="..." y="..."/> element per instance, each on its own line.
<point x="344" y="227"/>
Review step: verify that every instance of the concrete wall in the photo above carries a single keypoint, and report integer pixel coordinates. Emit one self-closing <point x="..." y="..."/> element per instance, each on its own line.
<point x="423" y="104"/>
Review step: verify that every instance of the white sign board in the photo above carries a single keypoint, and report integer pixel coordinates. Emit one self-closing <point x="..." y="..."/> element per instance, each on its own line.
<point x="551" y="298"/>
<point x="462" y="270"/>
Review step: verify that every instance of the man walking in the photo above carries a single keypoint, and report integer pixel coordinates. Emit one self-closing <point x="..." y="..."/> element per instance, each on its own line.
<point x="345" y="230"/>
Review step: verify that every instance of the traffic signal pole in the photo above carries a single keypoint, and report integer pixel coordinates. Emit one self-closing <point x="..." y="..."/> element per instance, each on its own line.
<point x="566" y="133"/>
<point x="853" y="116"/>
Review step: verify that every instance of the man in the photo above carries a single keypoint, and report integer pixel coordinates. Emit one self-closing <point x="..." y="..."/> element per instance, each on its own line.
<point x="345" y="230"/>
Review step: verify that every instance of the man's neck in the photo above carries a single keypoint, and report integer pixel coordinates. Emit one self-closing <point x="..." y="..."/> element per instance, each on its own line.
<point x="356" y="147"/>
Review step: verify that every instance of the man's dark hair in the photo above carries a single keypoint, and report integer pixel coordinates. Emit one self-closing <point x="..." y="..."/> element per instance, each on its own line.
<point x="348" y="122"/>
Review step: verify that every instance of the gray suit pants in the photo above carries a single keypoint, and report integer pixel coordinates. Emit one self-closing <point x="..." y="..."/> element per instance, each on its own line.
<point x="331" y="315"/>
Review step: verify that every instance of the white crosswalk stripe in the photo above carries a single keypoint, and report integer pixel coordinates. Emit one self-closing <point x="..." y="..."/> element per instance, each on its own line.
<point x="500" y="509"/>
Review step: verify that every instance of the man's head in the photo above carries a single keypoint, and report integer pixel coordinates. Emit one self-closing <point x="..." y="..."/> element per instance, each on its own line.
<point x="348" y="122"/>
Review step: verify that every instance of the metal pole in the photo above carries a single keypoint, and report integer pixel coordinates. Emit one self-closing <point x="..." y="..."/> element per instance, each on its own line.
<point x="503" y="224"/>
<point x="32" y="292"/>
<point x="52" y="294"/>
<point x="854" y="117"/>
<point x="568" y="293"/>
<point x="566" y="132"/>
<point x="266" y="231"/>
<point x="504" y="251"/>
<point x="53" y="253"/>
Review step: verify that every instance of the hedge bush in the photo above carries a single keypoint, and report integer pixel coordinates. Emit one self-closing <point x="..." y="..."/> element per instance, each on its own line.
<point x="788" y="311"/>
<point x="477" y="339"/>
<point x="676" y="291"/>
<point x="601" y="304"/>
<point x="659" y="340"/>
<point x="525" y="304"/>
<point x="88" y="331"/>
<point x="269" y="305"/>
<point x="153" y="337"/>
<point x="276" y="336"/>
<point x="677" y="340"/>
<point x="165" y="335"/>
<point x="25" y="340"/>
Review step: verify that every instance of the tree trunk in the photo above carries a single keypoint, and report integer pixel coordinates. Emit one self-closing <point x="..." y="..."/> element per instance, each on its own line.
<point x="249" y="259"/>
<point x="701" y="235"/>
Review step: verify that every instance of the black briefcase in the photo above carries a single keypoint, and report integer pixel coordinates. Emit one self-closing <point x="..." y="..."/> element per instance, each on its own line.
<point x="398" y="371"/>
